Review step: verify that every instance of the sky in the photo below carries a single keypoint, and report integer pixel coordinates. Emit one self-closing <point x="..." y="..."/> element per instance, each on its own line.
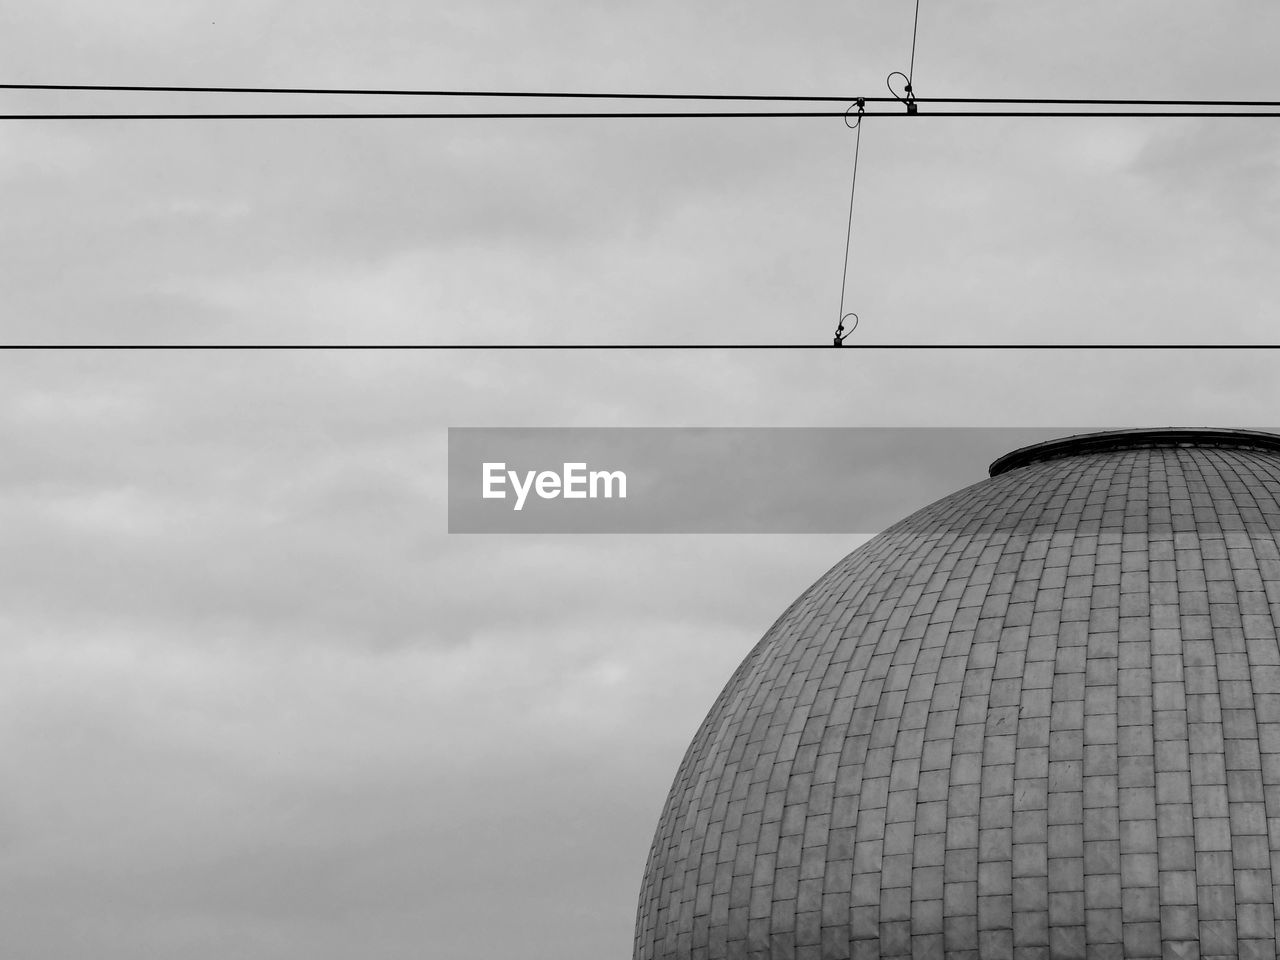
<point x="254" y="700"/>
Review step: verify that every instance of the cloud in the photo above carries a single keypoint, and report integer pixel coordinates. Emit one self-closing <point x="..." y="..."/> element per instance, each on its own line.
<point x="255" y="701"/>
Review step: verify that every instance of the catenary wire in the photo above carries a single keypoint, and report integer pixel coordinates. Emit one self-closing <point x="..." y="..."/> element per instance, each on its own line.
<point x="584" y="95"/>
<point x="483" y="347"/>
<point x="840" y="333"/>
<point x="364" y="91"/>
<point x="637" y="115"/>
<point x="915" y="28"/>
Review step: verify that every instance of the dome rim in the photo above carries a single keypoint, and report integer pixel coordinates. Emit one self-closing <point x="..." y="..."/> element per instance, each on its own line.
<point x="1133" y="439"/>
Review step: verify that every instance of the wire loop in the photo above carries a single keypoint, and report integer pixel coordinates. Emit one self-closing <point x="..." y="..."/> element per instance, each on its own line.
<point x="861" y="104"/>
<point x="907" y="97"/>
<point x="841" y="333"/>
<point x="848" y="237"/>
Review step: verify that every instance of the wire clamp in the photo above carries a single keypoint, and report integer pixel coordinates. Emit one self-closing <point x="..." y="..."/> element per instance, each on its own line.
<point x="861" y="104"/>
<point x="907" y="97"/>
<point x="841" y="333"/>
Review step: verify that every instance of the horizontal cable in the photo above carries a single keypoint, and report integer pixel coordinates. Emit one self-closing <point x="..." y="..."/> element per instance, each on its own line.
<point x="366" y="92"/>
<point x="1089" y="102"/>
<point x="1079" y="113"/>
<point x="847" y="350"/>
<point x="557" y="95"/>
<point x="637" y="115"/>
<point x="530" y="115"/>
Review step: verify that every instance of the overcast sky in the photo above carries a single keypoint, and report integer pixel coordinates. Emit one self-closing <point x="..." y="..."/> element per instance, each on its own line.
<point x="254" y="701"/>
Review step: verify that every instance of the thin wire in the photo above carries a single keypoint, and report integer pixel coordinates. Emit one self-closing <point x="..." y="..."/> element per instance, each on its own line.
<point x="1073" y="113"/>
<point x="365" y="92"/>
<point x="534" y="115"/>
<point x="556" y="95"/>
<point x="482" y="347"/>
<point x="1095" y="102"/>
<point x="914" y="29"/>
<point x="844" y="276"/>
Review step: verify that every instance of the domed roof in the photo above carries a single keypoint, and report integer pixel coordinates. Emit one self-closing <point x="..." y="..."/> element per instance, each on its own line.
<point x="1038" y="718"/>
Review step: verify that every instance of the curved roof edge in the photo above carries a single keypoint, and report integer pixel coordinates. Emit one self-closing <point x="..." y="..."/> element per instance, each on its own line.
<point x="1134" y="439"/>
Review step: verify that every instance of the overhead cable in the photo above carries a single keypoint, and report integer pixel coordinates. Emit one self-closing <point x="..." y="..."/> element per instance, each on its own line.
<point x="841" y="333"/>
<point x="583" y="95"/>
<point x="719" y="345"/>
<point x="639" y="115"/>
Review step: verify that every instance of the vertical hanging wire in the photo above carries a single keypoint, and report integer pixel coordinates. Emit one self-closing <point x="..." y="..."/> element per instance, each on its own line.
<point x="841" y="334"/>
<point x="915" y="27"/>
<point x="910" y="100"/>
<point x="908" y="97"/>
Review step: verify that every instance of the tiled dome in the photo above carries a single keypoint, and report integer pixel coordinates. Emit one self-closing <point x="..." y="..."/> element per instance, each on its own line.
<point x="1039" y="718"/>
